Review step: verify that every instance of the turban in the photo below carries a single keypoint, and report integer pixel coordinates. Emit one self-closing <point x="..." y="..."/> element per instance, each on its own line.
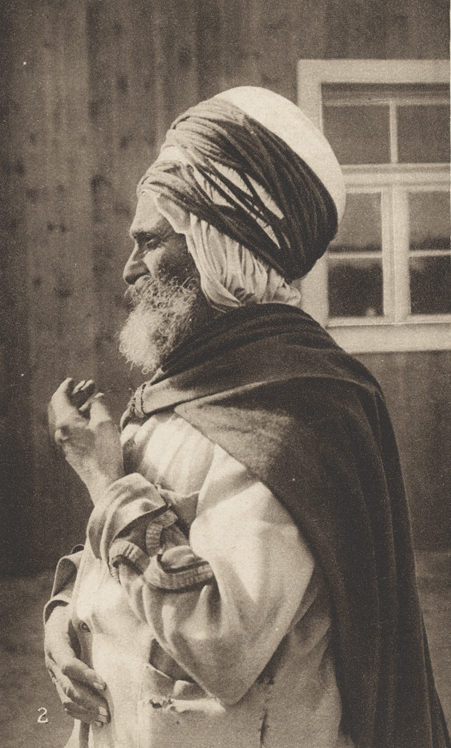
<point x="255" y="188"/>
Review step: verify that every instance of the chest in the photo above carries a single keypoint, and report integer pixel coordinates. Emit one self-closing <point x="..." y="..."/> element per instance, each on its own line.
<point x="169" y="452"/>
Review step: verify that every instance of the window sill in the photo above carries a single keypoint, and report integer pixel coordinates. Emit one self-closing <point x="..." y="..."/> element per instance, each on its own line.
<point x="386" y="338"/>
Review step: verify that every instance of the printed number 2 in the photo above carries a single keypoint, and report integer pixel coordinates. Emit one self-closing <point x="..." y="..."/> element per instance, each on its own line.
<point x="42" y="719"/>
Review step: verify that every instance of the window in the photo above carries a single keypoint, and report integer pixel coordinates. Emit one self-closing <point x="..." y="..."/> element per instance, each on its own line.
<point x="385" y="282"/>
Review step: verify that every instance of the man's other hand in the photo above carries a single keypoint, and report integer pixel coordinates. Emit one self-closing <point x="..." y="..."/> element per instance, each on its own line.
<point x="78" y="686"/>
<point x="88" y="437"/>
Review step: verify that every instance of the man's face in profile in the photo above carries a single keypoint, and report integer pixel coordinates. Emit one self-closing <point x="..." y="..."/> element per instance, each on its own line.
<point x="157" y="250"/>
<point x="164" y="289"/>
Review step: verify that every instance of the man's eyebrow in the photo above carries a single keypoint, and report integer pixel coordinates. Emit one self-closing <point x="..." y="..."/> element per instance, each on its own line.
<point x="140" y="236"/>
<point x="159" y="231"/>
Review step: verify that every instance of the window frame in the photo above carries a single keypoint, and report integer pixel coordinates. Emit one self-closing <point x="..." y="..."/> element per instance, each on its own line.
<point x="397" y="331"/>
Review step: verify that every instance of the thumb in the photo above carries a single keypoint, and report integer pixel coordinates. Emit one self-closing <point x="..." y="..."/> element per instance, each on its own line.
<point x="98" y="410"/>
<point x="78" y="671"/>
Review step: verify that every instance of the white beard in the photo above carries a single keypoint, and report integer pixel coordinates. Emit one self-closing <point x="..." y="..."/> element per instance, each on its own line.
<point x="165" y="313"/>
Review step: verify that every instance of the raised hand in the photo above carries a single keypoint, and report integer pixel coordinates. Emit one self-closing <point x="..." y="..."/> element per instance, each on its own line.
<point x="87" y="435"/>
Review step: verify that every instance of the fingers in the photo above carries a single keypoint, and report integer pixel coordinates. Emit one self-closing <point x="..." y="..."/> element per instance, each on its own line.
<point x="79" y="686"/>
<point x="68" y="406"/>
<point x="61" y="396"/>
<point x="60" y="654"/>
<point x="69" y="401"/>
<point x="82" y="392"/>
<point x="98" y="412"/>
<point x="77" y="670"/>
<point x="63" y="411"/>
<point x="65" y="663"/>
<point x="79" y="699"/>
<point x="81" y="703"/>
<point x="54" y="405"/>
<point x="69" y="397"/>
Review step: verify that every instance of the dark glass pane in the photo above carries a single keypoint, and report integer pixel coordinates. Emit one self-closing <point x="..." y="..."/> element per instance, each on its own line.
<point x="376" y="91"/>
<point x="358" y="134"/>
<point x="423" y="134"/>
<point x="429" y="219"/>
<point x="355" y="288"/>
<point x="360" y="229"/>
<point x="430" y="285"/>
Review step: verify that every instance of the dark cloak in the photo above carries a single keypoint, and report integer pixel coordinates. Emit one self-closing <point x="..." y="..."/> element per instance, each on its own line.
<point x="272" y="388"/>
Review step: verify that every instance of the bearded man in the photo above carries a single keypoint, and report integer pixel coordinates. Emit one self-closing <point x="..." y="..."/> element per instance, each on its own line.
<point x="247" y="579"/>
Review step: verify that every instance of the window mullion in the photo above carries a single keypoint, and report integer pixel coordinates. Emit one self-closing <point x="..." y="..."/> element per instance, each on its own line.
<point x="393" y="132"/>
<point x="388" y="263"/>
<point x="401" y="286"/>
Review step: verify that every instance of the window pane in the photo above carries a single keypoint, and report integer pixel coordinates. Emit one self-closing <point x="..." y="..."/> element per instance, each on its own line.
<point x="429" y="218"/>
<point x="423" y="134"/>
<point x="355" y="288"/>
<point x="364" y="92"/>
<point x="360" y="229"/>
<point x="358" y="134"/>
<point x="430" y="285"/>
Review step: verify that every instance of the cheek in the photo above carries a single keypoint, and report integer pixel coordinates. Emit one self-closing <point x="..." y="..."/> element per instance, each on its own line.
<point x="176" y="261"/>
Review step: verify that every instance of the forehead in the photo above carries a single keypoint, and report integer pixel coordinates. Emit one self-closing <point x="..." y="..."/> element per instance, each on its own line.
<point x="147" y="219"/>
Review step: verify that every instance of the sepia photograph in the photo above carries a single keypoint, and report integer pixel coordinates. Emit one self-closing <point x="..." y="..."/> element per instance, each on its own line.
<point x="225" y="374"/>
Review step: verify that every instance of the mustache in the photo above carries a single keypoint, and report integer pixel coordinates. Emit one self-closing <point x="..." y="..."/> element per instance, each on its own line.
<point x="151" y="287"/>
<point x="133" y="294"/>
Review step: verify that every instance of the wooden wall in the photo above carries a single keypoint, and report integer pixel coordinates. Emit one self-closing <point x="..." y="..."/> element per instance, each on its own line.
<point x="417" y="388"/>
<point x="88" y="88"/>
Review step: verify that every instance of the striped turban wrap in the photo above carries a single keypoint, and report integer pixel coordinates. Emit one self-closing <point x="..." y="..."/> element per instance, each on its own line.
<point x="256" y="190"/>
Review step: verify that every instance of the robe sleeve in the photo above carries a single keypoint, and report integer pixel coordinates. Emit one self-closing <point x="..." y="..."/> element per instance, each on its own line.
<point x="220" y="601"/>
<point x="64" y="581"/>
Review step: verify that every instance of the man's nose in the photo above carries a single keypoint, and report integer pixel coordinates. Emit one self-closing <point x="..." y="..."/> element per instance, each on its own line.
<point x="134" y="267"/>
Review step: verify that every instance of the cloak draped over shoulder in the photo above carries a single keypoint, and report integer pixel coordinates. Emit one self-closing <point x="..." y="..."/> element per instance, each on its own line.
<point x="271" y="387"/>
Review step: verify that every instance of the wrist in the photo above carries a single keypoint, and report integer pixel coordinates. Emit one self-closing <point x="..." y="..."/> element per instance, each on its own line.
<point x="98" y="483"/>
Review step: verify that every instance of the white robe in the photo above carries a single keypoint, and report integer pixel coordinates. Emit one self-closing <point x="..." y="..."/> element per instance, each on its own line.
<point x="242" y="593"/>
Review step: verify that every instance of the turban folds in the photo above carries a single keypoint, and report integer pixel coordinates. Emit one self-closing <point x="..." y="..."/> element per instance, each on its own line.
<point x="232" y="172"/>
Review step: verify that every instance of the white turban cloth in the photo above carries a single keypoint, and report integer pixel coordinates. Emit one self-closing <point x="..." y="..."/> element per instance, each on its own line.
<point x="230" y="274"/>
<point x="256" y="190"/>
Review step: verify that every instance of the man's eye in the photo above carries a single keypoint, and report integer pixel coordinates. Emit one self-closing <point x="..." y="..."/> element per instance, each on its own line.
<point x="149" y="245"/>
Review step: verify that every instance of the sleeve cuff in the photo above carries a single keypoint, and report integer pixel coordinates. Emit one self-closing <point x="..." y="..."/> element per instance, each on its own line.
<point x="168" y="563"/>
<point x="175" y="570"/>
<point x="53" y="603"/>
<point x="177" y="578"/>
<point x="125" y="500"/>
<point x="65" y="574"/>
<point x="122" y="551"/>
